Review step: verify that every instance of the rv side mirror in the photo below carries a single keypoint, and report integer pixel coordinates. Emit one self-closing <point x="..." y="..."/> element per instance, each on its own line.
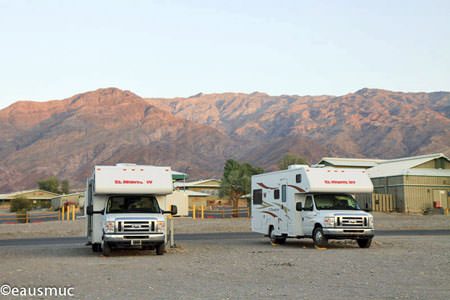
<point x="173" y="210"/>
<point x="89" y="210"/>
<point x="298" y="206"/>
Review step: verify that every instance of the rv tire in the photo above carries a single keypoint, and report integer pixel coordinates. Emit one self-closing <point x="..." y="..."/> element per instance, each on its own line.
<point x="319" y="239"/>
<point x="106" y="249"/>
<point x="96" y="247"/>
<point x="276" y="239"/>
<point x="364" y="243"/>
<point x="160" y="249"/>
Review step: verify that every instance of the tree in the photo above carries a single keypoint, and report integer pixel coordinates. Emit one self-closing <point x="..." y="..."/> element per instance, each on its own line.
<point x="236" y="181"/>
<point x="65" y="186"/>
<point x="51" y="185"/>
<point x="291" y="159"/>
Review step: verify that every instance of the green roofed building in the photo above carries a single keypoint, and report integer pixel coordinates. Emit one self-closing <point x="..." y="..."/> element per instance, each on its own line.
<point x="417" y="183"/>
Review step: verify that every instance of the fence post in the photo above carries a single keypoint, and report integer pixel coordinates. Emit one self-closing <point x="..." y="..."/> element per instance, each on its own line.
<point x="193" y="211"/>
<point x="26" y="217"/>
<point x="73" y="212"/>
<point x="62" y="213"/>
<point x="248" y="211"/>
<point x="203" y="212"/>
<point x="223" y="212"/>
<point x="172" y="243"/>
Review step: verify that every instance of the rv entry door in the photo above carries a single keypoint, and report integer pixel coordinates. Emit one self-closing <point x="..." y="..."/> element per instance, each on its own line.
<point x="284" y="216"/>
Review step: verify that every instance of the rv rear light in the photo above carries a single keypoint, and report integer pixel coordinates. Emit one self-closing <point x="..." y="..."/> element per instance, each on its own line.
<point x="109" y="227"/>
<point x="124" y="169"/>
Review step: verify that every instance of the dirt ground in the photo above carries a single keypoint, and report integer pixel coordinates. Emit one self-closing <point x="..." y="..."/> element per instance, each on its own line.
<point x="393" y="268"/>
<point x="187" y="225"/>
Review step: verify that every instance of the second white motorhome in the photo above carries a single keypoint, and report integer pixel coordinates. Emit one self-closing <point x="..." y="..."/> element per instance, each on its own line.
<point x="314" y="202"/>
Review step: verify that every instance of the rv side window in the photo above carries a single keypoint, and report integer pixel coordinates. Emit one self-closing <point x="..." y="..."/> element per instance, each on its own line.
<point x="298" y="178"/>
<point x="276" y="194"/>
<point x="283" y="193"/>
<point x="257" y="196"/>
<point x="308" y="203"/>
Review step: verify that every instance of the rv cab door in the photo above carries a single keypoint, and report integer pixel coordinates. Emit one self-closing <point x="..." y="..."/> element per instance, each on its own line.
<point x="308" y="216"/>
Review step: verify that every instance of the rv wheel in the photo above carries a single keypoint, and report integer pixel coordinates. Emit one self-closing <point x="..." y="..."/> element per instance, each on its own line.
<point x="276" y="239"/>
<point x="106" y="249"/>
<point x="160" y="249"/>
<point x="96" y="247"/>
<point x="364" y="243"/>
<point x="319" y="239"/>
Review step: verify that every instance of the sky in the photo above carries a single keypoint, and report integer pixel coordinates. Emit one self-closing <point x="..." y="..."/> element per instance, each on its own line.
<point x="55" y="49"/>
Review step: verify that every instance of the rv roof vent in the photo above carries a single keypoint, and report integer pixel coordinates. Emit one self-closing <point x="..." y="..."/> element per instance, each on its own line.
<point x="297" y="167"/>
<point x="124" y="164"/>
<point x="318" y="166"/>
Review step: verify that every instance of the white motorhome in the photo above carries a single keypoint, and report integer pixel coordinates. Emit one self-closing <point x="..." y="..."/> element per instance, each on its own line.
<point x="122" y="207"/>
<point x="313" y="202"/>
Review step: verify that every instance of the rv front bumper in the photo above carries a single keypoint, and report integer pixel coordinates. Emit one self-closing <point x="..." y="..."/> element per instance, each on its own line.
<point x="154" y="238"/>
<point x="348" y="233"/>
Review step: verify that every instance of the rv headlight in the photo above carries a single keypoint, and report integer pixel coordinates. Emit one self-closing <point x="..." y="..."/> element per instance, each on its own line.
<point x="329" y="221"/>
<point x="371" y="221"/>
<point x="109" y="227"/>
<point x="161" y="225"/>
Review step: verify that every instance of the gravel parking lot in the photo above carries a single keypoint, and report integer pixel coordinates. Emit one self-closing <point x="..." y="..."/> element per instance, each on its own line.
<point x="407" y="267"/>
<point x="393" y="268"/>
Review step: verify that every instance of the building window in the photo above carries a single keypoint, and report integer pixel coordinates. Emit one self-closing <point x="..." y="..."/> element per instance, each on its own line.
<point x="276" y="194"/>
<point x="257" y="196"/>
<point x="440" y="163"/>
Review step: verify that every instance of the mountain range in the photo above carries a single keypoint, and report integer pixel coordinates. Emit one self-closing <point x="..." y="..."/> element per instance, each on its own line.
<point x="66" y="138"/>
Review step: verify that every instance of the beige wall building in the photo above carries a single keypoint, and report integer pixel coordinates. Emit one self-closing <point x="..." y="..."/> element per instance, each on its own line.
<point x="40" y="198"/>
<point x="417" y="183"/>
<point x="201" y="192"/>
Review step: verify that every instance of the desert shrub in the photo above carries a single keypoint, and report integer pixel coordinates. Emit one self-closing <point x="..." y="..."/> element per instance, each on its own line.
<point x="21" y="203"/>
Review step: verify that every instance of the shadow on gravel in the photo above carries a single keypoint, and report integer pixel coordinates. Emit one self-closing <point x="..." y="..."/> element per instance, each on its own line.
<point x="76" y="252"/>
<point x="309" y="244"/>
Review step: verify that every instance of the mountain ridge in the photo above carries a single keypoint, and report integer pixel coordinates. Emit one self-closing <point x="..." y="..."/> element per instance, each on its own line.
<point x="66" y="138"/>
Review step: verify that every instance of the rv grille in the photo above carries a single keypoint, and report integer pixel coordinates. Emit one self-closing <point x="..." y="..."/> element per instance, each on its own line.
<point x="352" y="221"/>
<point x="137" y="226"/>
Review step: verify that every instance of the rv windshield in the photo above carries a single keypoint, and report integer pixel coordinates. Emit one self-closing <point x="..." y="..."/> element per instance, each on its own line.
<point x="132" y="204"/>
<point x="337" y="202"/>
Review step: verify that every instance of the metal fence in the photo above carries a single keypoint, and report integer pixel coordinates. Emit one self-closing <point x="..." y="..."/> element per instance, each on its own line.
<point x="200" y="212"/>
<point x="65" y="214"/>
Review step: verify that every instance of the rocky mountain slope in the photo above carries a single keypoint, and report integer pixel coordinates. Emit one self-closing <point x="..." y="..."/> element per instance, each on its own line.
<point x="370" y="122"/>
<point x="66" y="138"/>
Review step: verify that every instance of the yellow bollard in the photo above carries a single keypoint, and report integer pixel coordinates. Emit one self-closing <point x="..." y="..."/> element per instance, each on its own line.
<point x="73" y="213"/>
<point x="193" y="211"/>
<point x="62" y="213"/>
<point x="203" y="212"/>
